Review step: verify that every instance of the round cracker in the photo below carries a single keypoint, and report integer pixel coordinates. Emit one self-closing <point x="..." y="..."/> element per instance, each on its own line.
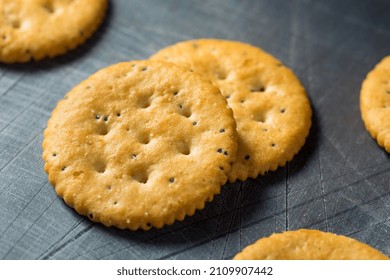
<point x="140" y="144"/>
<point x="35" y="29"/>
<point x="270" y="106"/>
<point x="375" y="103"/>
<point x="307" y="244"/>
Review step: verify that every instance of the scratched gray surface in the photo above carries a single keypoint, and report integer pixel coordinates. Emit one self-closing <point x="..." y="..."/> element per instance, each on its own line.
<point x="339" y="182"/>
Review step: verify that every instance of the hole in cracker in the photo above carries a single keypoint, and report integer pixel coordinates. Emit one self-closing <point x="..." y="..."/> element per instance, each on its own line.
<point x="194" y="123"/>
<point x="242" y="100"/>
<point x="118" y="114"/>
<point x="97" y="117"/>
<point x="100" y="166"/>
<point x="90" y="216"/>
<point x="219" y="150"/>
<point x="221" y="167"/>
<point x="49" y="7"/>
<point x="185" y="111"/>
<point x="133" y="156"/>
<point x="222" y="130"/>
<point x="265" y="129"/>
<point x="102" y="129"/>
<point x="227" y="96"/>
<point x="15" y="24"/>
<point x="109" y="187"/>
<point x="282" y="110"/>
<point x="141" y="176"/>
<point x="144" y="138"/>
<point x="273" y="145"/>
<point x="76" y="174"/>
<point x="149" y="225"/>
<point x="144" y="101"/>
<point x="63" y="168"/>
<point x="258" y="89"/>
<point x="183" y="148"/>
<point x="175" y="92"/>
<point x="115" y="202"/>
<point x="54" y="154"/>
<point x="247" y="157"/>
<point x="259" y="117"/>
<point x="171" y="180"/>
<point x="221" y="75"/>
<point x="144" y="69"/>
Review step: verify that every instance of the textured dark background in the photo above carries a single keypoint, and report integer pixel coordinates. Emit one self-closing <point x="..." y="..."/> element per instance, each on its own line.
<point x="339" y="182"/>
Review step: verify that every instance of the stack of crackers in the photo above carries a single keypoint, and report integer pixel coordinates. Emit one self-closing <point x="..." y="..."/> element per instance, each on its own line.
<point x="143" y="144"/>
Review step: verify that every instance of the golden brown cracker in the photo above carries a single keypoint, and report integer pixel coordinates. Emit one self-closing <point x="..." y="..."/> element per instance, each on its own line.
<point x="140" y="144"/>
<point x="270" y="105"/>
<point x="35" y="29"/>
<point x="375" y="103"/>
<point x="307" y="244"/>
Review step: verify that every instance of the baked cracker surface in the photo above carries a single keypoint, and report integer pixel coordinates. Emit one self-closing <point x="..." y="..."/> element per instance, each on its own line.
<point x="307" y="244"/>
<point x="375" y="103"/>
<point x="270" y="105"/>
<point x="140" y="144"/>
<point x="35" y="29"/>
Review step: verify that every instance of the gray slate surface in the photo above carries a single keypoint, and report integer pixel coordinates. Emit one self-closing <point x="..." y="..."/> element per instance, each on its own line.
<point x="339" y="182"/>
